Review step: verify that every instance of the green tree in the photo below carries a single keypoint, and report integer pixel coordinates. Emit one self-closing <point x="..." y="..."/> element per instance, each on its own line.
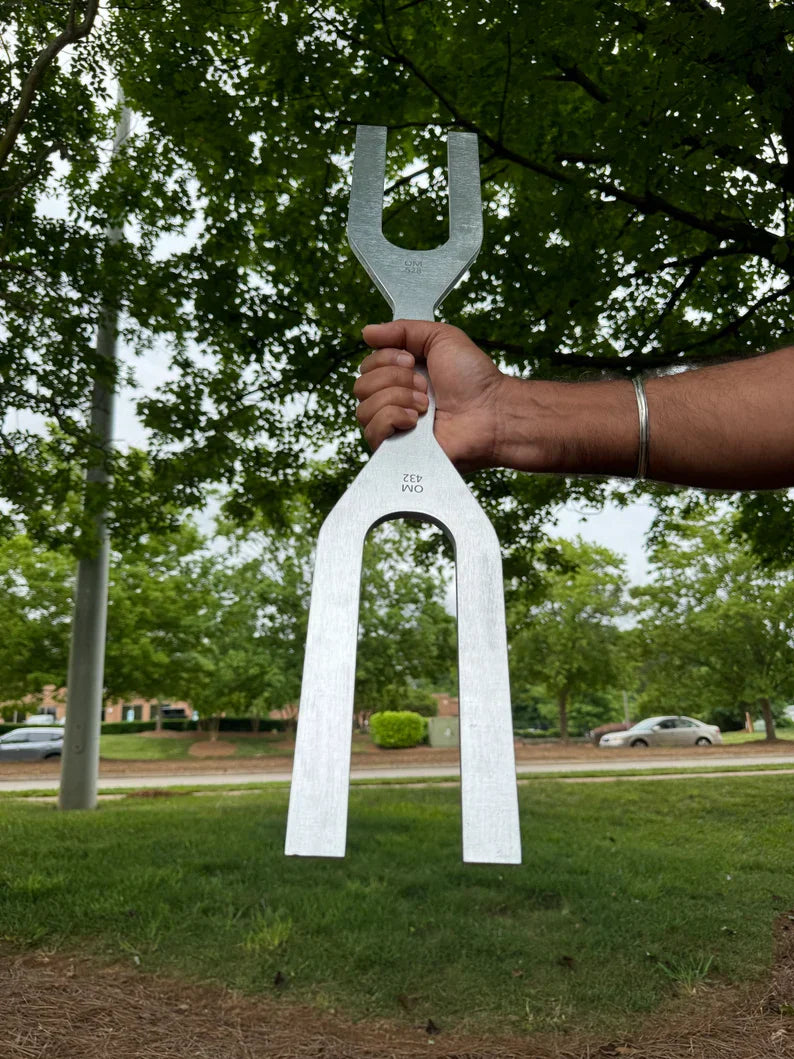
<point x="717" y="626"/>
<point x="249" y="656"/>
<point x="35" y="601"/>
<point x="407" y="639"/>
<point x="161" y="595"/>
<point x="565" y="638"/>
<point x="637" y="175"/>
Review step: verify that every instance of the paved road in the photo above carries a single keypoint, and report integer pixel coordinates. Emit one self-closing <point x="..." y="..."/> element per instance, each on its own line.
<point x="418" y="772"/>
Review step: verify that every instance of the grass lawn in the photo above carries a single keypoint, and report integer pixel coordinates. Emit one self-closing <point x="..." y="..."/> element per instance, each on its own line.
<point x="755" y="737"/>
<point x="134" y="747"/>
<point x="628" y="892"/>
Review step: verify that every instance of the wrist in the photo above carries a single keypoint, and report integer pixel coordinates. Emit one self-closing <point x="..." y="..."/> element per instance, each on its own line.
<point x="568" y="428"/>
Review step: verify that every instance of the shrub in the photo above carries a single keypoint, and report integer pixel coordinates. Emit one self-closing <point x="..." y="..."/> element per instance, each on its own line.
<point x="397" y="728"/>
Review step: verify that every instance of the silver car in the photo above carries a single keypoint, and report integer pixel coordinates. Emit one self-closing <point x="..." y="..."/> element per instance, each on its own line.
<point x="31" y="744"/>
<point x="665" y="731"/>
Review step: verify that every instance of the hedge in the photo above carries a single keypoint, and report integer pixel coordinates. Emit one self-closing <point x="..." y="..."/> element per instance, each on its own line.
<point x="227" y="724"/>
<point x="397" y="728"/>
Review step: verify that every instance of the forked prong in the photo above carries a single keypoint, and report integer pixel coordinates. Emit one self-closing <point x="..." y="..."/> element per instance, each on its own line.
<point x="414" y="282"/>
<point x="463" y="193"/>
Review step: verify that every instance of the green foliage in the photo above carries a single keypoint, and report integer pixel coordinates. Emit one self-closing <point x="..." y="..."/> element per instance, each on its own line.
<point x="407" y="639"/>
<point x="160" y="595"/>
<point x="594" y="708"/>
<point x="405" y="697"/>
<point x="35" y="602"/>
<point x="716" y="627"/>
<point x="563" y="636"/>
<point x="397" y="728"/>
<point x="636" y="208"/>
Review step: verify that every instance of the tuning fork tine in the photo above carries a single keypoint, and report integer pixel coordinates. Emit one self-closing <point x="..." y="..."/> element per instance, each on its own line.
<point x="414" y="282"/>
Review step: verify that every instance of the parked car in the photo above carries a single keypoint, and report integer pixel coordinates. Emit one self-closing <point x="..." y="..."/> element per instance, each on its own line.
<point x="597" y="734"/>
<point x="665" y="731"/>
<point x="31" y="744"/>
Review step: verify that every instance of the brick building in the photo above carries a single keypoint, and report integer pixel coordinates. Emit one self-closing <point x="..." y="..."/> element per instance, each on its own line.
<point x="53" y="702"/>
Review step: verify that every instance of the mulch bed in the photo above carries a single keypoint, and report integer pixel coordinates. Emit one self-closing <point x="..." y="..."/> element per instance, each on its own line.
<point x="53" y="1006"/>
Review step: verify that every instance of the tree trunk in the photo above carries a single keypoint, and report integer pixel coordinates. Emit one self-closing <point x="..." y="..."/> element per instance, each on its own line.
<point x="562" y="706"/>
<point x="214" y="725"/>
<point x="158" y="719"/>
<point x="766" y="713"/>
<point x="255" y="724"/>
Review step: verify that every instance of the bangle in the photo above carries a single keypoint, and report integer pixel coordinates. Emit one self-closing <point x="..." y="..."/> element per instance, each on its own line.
<point x="645" y="428"/>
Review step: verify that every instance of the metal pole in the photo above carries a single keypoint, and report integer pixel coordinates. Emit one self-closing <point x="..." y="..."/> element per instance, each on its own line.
<point x="80" y="761"/>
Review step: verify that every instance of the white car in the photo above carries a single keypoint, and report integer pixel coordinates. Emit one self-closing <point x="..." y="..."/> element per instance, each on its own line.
<point x="665" y="731"/>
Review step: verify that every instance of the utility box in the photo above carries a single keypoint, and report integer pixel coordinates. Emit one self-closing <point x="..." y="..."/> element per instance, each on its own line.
<point x="443" y="731"/>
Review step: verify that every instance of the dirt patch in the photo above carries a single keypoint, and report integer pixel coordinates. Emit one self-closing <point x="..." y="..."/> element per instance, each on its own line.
<point x="212" y="748"/>
<point x="53" y="1006"/>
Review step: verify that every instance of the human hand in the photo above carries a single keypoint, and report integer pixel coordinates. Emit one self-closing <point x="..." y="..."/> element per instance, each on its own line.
<point x="467" y="386"/>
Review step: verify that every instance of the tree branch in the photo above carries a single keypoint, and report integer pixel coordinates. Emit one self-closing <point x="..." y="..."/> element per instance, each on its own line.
<point x="629" y="365"/>
<point x="698" y="263"/>
<point x="761" y="241"/>
<point x="686" y="262"/>
<point x="736" y="325"/>
<point x="72" y="32"/>
<point x="14" y="189"/>
<point x="575" y="74"/>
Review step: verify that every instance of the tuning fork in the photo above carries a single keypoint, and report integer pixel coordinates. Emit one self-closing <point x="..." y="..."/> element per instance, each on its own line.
<point x="409" y="476"/>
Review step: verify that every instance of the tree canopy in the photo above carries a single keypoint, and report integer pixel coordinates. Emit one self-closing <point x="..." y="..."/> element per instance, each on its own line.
<point x="716" y="628"/>
<point x="567" y="639"/>
<point x="637" y="168"/>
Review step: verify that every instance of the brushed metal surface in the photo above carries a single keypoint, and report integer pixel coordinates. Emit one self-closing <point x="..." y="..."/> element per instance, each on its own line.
<point x="408" y="477"/>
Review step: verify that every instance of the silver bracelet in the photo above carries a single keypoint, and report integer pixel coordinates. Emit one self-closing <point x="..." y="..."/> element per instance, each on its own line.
<point x="645" y="428"/>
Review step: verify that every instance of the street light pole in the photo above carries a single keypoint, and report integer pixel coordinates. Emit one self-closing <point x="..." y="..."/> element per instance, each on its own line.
<point x="80" y="761"/>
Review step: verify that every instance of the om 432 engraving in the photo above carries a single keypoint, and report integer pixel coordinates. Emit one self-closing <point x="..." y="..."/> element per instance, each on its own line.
<point x="412" y="483"/>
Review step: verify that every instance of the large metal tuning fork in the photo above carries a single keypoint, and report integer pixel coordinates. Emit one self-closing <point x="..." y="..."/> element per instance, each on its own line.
<point x="408" y="477"/>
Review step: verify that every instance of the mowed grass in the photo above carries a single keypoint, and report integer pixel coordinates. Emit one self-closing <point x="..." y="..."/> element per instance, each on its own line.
<point x="628" y="893"/>
<point x="731" y="738"/>
<point x="135" y="747"/>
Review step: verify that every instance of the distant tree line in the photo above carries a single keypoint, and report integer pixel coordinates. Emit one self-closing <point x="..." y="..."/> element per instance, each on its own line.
<point x="223" y="625"/>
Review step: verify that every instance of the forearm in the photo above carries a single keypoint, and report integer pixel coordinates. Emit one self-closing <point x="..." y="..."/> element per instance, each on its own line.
<point x="730" y="426"/>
